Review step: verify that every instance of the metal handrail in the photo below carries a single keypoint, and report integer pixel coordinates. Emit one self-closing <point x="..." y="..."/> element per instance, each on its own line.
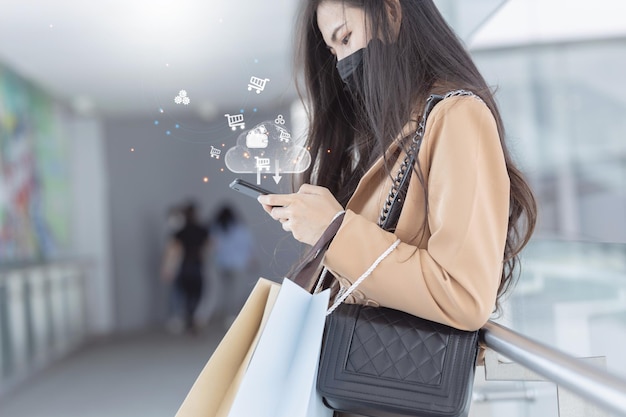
<point x="589" y="382"/>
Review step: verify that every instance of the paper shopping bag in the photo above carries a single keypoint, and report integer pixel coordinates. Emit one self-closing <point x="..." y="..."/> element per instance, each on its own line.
<point x="280" y="379"/>
<point x="213" y="392"/>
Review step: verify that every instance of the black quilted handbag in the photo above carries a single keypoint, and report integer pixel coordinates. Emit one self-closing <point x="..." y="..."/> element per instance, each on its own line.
<point x="381" y="362"/>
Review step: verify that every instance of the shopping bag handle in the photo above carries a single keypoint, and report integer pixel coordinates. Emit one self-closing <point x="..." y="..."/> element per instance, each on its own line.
<point x="305" y="272"/>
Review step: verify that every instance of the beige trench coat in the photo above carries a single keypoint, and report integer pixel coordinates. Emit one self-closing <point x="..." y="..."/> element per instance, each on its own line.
<point x="451" y="273"/>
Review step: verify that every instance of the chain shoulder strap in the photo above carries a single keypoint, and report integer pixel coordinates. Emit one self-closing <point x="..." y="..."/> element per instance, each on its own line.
<point x="401" y="181"/>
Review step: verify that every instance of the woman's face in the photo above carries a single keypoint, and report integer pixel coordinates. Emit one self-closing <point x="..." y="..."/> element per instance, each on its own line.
<point x="343" y="28"/>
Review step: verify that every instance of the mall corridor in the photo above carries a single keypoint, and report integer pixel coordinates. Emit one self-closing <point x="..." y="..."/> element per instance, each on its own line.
<point x="126" y="125"/>
<point x="137" y="376"/>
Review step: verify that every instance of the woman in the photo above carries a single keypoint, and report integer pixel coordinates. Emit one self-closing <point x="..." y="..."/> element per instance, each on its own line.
<point x="187" y="247"/>
<point x="369" y="66"/>
<point x="233" y="250"/>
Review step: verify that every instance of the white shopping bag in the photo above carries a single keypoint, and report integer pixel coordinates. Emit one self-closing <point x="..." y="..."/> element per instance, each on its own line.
<point x="281" y="378"/>
<point x="214" y="390"/>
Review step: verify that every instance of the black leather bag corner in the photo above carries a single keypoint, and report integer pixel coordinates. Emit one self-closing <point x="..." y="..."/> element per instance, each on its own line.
<point x="382" y="362"/>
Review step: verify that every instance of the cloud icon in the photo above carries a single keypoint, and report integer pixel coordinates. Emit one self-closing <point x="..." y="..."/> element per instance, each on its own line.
<point x="267" y="148"/>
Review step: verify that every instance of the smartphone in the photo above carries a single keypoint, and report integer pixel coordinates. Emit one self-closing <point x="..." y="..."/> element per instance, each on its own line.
<point x="248" y="189"/>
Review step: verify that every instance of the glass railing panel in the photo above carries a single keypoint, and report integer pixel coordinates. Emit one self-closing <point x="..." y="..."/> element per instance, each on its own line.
<point x="18" y="326"/>
<point x="75" y="310"/>
<point x="42" y="317"/>
<point x="4" y="329"/>
<point x="60" y="324"/>
<point x="572" y="296"/>
<point x="35" y="282"/>
<point x="513" y="398"/>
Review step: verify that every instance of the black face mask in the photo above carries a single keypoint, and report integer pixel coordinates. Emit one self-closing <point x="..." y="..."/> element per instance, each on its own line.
<point x="351" y="70"/>
<point x="351" y="67"/>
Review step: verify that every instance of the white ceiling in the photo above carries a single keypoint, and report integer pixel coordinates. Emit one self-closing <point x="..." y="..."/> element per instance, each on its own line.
<point x="522" y="22"/>
<point x="132" y="57"/>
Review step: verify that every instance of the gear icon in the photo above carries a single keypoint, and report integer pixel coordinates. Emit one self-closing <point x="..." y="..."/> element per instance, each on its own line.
<point x="182" y="98"/>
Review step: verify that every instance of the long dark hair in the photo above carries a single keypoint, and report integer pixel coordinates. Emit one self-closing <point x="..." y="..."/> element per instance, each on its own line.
<point x="347" y="133"/>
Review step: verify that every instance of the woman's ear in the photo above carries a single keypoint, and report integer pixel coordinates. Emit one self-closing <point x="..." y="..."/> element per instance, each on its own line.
<point x="394" y="11"/>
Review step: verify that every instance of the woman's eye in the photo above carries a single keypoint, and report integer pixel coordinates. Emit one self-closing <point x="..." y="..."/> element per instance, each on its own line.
<point x="345" y="39"/>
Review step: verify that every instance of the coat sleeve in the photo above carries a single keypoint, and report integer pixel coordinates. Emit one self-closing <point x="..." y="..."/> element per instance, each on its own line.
<point x="455" y="279"/>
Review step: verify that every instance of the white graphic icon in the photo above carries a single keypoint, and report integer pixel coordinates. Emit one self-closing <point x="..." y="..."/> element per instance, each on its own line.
<point x="262" y="164"/>
<point x="257" y="138"/>
<point x="215" y="153"/>
<point x="235" y="121"/>
<point x="258" y="84"/>
<point x="284" y="136"/>
<point x="283" y="153"/>
<point x="280" y="120"/>
<point x="182" y="98"/>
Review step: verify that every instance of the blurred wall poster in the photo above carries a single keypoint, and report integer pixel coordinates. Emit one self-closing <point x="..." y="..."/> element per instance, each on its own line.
<point x="34" y="173"/>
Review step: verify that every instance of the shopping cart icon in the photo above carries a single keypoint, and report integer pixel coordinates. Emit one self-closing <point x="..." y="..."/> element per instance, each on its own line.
<point x="262" y="164"/>
<point x="258" y="84"/>
<point x="284" y="136"/>
<point x="215" y="152"/>
<point x="235" y="121"/>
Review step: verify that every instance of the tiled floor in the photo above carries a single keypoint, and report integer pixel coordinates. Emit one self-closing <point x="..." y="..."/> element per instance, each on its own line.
<point x="135" y="376"/>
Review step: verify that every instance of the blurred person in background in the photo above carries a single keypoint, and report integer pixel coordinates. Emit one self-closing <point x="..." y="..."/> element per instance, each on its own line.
<point x="183" y="263"/>
<point x="174" y="221"/>
<point x="234" y="259"/>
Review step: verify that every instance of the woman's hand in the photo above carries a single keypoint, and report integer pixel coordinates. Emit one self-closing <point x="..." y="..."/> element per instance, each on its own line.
<point x="306" y="214"/>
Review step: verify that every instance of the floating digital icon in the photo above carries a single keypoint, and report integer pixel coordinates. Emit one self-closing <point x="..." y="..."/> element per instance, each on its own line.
<point x="280" y="120"/>
<point x="284" y="136"/>
<point x="182" y="98"/>
<point x="257" y="138"/>
<point x="235" y="121"/>
<point x="279" y="156"/>
<point x="257" y="84"/>
<point x="215" y="152"/>
<point x="262" y="164"/>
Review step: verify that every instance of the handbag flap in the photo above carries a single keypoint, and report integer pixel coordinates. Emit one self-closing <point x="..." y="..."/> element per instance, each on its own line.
<point x="382" y="348"/>
<point x="379" y="361"/>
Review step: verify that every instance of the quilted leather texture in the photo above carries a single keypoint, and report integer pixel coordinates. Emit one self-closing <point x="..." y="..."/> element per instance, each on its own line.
<point x="381" y="362"/>
<point x="383" y="348"/>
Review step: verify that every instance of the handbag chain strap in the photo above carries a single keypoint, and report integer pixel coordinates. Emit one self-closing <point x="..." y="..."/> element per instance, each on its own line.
<point x="400" y="184"/>
<point x="399" y="187"/>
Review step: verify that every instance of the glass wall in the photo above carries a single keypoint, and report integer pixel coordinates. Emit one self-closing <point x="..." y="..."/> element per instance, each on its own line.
<point x="564" y="105"/>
